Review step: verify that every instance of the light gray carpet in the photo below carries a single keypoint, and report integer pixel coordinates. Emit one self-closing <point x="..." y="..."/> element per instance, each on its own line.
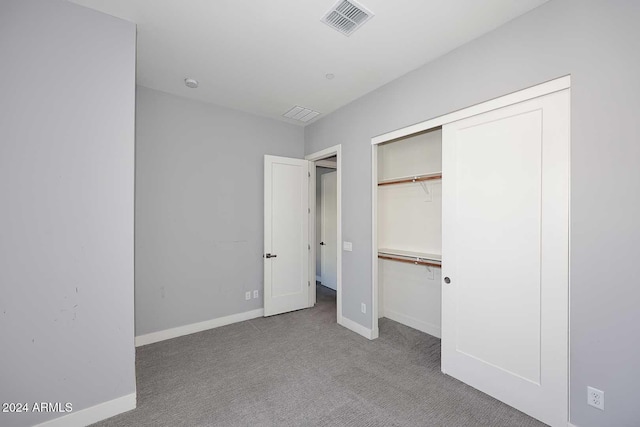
<point x="302" y="369"/>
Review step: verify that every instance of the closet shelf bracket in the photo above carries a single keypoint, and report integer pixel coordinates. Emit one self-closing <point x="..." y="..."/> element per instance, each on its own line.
<point x="427" y="190"/>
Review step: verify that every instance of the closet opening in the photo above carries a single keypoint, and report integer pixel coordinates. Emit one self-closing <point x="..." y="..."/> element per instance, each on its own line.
<point x="409" y="230"/>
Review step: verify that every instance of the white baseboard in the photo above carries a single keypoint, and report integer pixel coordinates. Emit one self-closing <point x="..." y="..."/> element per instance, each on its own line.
<point x="96" y="413"/>
<point x="197" y="327"/>
<point x="358" y="328"/>
<point x="571" y="425"/>
<point x="422" y="326"/>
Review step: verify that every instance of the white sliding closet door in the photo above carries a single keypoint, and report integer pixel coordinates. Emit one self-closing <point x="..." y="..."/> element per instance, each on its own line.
<point x="505" y="254"/>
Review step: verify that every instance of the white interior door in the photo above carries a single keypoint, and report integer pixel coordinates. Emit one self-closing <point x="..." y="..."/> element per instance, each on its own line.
<point x="286" y="234"/>
<point x="329" y="230"/>
<point x="505" y="254"/>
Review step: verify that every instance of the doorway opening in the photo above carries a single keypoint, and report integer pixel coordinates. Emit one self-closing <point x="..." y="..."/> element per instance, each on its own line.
<point x="326" y="225"/>
<point x="325" y="231"/>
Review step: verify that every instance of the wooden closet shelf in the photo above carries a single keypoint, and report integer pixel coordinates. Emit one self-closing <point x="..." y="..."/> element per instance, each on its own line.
<point x="415" y="178"/>
<point x="417" y="258"/>
<point x="416" y="261"/>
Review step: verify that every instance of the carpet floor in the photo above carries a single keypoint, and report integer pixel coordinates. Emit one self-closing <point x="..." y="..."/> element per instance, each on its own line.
<point x="303" y="369"/>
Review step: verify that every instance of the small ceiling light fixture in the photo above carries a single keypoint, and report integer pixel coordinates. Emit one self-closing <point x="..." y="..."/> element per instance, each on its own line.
<point x="191" y="83"/>
<point x="329" y="76"/>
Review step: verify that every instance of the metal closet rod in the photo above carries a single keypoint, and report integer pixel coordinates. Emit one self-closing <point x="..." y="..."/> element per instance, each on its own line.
<point x="416" y="261"/>
<point x="416" y="178"/>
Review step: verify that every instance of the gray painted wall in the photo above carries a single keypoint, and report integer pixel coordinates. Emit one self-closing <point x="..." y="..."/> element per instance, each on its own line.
<point x="597" y="42"/>
<point x="199" y="208"/>
<point x="67" y="97"/>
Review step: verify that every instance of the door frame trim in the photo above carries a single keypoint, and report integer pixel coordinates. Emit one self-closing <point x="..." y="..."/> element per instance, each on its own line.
<point x="526" y="94"/>
<point x="316" y="158"/>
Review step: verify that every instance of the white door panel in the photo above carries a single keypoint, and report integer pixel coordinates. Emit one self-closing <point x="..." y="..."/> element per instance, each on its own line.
<point x="286" y="239"/>
<point x="505" y="250"/>
<point x="329" y="230"/>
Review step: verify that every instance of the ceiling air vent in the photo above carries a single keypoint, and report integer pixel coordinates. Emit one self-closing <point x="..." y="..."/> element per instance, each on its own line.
<point x="347" y="16"/>
<point x="301" y="114"/>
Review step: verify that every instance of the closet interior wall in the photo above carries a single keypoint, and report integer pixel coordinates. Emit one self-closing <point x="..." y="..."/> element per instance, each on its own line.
<point x="410" y="231"/>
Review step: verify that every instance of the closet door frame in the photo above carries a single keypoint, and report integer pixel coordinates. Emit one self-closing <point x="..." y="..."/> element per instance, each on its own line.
<point x="539" y="90"/>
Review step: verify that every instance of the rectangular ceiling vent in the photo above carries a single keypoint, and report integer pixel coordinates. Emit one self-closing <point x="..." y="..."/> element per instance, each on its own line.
<point x="347" y="16"/>
<point x="301" y="114"/>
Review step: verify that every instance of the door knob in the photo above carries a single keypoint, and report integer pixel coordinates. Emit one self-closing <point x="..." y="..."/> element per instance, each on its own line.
<point x="447" y="280"/>
<point x="322" y="243"/>
<point x="270" y="255"/>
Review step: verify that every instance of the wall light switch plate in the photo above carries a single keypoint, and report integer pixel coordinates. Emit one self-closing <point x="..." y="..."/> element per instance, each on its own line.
<point x="347" y="246"/>
<point x="363" y="308"/>
<point x="256" y="294"/>
<point x="247" y="295"/>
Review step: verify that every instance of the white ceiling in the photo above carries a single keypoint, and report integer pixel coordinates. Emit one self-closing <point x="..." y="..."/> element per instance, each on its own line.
<point x="264" y="57"/>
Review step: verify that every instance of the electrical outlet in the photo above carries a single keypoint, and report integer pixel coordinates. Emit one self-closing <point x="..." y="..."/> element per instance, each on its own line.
<point x="255" y="294"/>
<point x="247" y="295"/>
<point x="363" y="308"/>
<point x="595" y="398"/>
<point x="347" y="246"/>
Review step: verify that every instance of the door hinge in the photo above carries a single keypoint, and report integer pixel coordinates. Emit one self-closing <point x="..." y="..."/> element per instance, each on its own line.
<point x="309" y="174"/>
<point x="309" y="247"/>
<point x="308" y="283"/>
<point x="309" y="210"/>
